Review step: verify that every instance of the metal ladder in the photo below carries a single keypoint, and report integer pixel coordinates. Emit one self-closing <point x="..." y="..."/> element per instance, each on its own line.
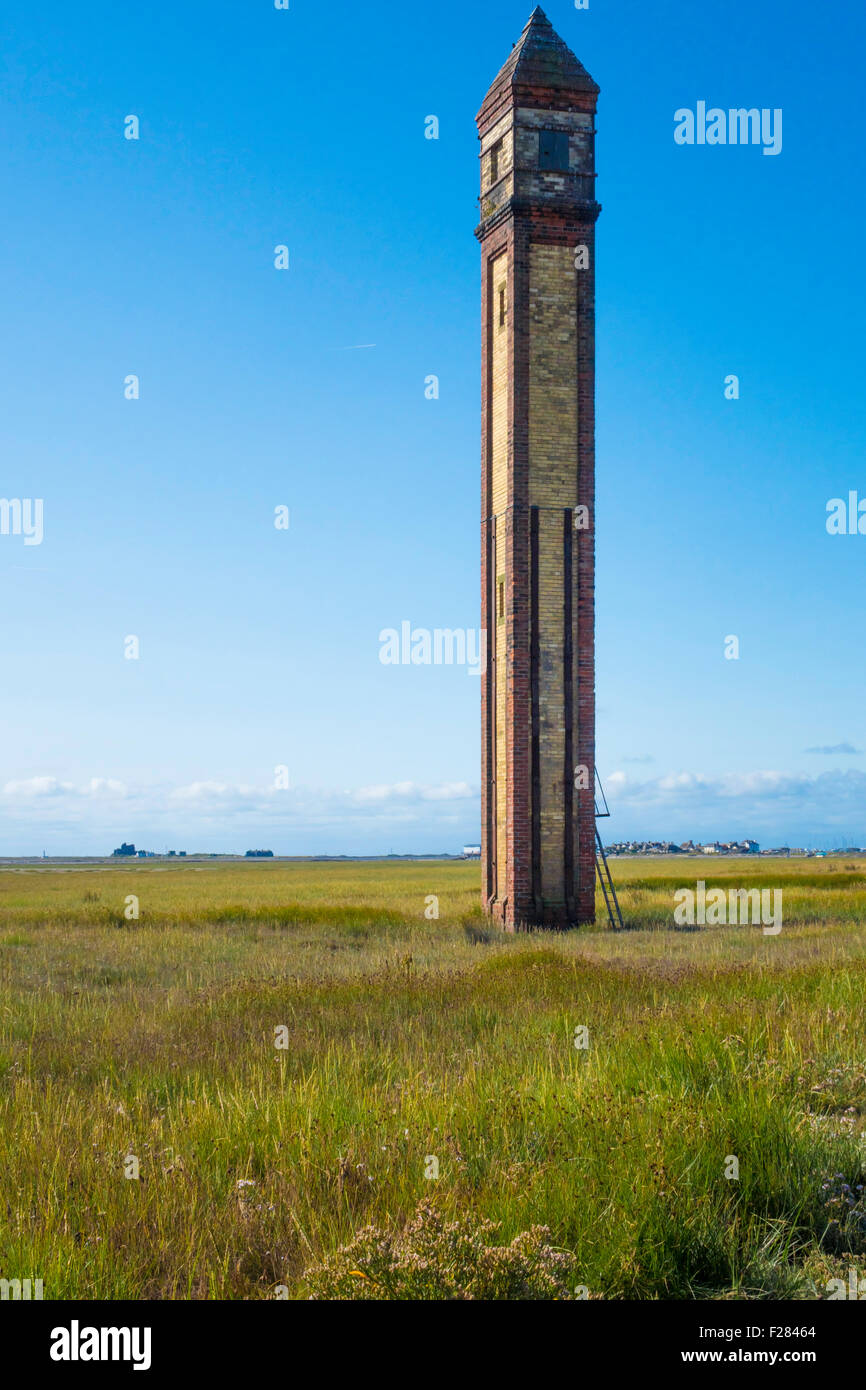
<point x="611" y="901"/>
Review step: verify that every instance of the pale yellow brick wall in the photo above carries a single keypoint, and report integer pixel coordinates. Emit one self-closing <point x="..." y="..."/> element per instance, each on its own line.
<point x="500" y="402"/>
<point x="501" y="134"/>
<point x="552" y="377"/>
<point x="499" y="498"/>
<point x="552" y="484"/>
<point x="496" y="191"/>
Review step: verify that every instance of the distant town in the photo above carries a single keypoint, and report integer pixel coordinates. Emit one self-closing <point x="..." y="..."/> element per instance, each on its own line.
<point x="740" y="847"/>
<point x="126" y="851"/>
<point x="620" y="848"/>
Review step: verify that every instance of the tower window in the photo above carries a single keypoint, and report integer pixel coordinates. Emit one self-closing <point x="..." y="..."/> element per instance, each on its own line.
<point x="495" y="158"/>
<point x="553" y="149"/>
<point x="500" y="600"/>
<point x="501" y="306"/>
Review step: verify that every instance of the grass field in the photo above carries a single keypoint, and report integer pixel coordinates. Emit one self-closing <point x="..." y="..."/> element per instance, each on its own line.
<point x="406" y="1038"/>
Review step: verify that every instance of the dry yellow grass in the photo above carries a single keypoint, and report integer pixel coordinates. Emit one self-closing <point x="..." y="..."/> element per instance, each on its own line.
<point x="409" y="1037"/>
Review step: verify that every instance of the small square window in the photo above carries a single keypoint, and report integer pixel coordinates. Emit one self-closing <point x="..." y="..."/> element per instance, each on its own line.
<point x="553" y="149"/>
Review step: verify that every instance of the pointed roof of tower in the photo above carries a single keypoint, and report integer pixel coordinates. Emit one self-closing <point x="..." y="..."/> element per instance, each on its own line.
<point x="541" y="59"/>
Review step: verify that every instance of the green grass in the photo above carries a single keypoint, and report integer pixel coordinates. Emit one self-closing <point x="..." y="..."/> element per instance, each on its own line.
<point x="410" y="1038"/>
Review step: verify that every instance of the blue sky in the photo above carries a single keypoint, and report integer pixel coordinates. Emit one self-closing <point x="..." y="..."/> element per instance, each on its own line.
<point x="259" y="648"/>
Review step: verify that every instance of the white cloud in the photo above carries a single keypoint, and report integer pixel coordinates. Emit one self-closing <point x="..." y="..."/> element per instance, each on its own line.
<point x="782" y="804"/>
<point x="33" y="788"/>
<point x="413" y="791"/>
<point x="104" y="786"/>
<point x="833" y="749"/>
<point x="230" y="817"/>
<point x="735" y="785"/>
<point x="770" y="805"/>
<point x="221" y="793"/>
<point x="38" y="787"/>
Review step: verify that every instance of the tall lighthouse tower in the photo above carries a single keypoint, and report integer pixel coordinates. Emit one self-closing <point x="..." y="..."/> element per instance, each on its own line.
<point x="537" y="235"/>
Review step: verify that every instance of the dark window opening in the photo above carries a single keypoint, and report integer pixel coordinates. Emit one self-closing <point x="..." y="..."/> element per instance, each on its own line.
<point x="501" y="600"/>
<point x="501" y="306"/>
<point x="495" y="154"/>
<point x="553" y="149"/>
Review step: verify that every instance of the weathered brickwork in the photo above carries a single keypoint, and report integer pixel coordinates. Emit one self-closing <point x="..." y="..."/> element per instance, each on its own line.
<point x="500" y="384"/>
<point x="538" y="467"/>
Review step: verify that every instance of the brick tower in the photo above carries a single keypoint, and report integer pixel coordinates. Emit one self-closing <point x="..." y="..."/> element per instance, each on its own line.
<point x="537" y="235"/>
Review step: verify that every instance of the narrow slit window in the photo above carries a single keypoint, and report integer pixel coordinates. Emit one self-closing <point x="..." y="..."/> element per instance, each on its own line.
<point x="500" y="600"/>
<point x="495" y="154"/>
<point x="501" y="306"/>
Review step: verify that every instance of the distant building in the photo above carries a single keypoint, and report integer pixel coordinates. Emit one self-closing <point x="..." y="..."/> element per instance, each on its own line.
<point x="649" y="847"/>
<point x="259" y="854"/>
<point x="125" y="852"/>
